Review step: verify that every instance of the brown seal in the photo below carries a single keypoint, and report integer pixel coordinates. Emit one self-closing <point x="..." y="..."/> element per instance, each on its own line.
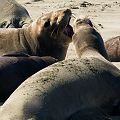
<point x="112" y="47"/>
<point x="66" y="87"/>
<point x="13" y="15"/>
<point x="49" y="35"/>
<point x="16" y="67"/>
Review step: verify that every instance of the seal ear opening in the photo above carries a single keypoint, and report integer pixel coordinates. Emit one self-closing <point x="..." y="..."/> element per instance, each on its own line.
<point x="47" y="24"/>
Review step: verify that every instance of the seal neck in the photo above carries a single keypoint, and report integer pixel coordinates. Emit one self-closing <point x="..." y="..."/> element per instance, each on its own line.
<point x="25" y="41"/>
<point x="89" y="42"/>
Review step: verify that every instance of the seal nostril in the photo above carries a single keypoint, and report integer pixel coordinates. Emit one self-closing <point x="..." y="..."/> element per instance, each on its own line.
<point x="47" y="24"/>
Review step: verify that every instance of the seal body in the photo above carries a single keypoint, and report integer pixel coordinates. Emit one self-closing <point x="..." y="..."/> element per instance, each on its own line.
<point x="13" y="15"/>
<point x="60" y="90"/>
<point x="112" y="47"/>
<point x="49" y="35"/>
<point x="15" y="67"/>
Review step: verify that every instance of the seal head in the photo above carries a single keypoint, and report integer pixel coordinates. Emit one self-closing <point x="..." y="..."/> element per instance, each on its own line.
<point x="52" y="34"/>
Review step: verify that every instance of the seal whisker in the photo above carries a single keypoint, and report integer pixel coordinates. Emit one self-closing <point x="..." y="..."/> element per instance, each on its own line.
<point x="73" y="15"/>
<point x="95" y="27"/>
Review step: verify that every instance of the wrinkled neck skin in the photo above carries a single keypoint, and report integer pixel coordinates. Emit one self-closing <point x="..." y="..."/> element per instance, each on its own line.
<point x="90" y="44"/>
<point x="28" y="42"/>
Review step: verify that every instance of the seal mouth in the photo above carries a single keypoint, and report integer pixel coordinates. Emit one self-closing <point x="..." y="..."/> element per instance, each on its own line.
<point x="68" y="30"/>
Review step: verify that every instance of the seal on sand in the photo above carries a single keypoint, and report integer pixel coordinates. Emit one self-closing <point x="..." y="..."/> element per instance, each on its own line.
<point x="60" y="90"/>
<point x="112" y="47"/>
<point x="15" y="67"/>
<point x="95" y="41"/>
<point x="49" y="35"/>
<point x="13" y="15"/>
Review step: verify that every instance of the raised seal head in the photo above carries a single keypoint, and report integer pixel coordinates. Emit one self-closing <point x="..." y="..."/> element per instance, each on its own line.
<point x="52" y="34"/>
<point x="87" y="39"/>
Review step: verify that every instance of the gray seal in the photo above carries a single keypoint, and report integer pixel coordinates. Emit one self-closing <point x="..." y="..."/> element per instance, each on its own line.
<point x="66" y="87"/>
<point x="13" y="15"/>
<point x="49" y="35"/>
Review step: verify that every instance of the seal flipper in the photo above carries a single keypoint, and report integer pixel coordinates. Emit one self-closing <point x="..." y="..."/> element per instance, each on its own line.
<point x="15" y="54"/>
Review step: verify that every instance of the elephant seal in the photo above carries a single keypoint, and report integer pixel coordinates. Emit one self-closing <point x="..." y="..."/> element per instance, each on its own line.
<point x="112" y="47"/>
<point x="95" y="41"/>
<point x="15" y="67"/>
<point x="49" y="35"/>
<point x="66" y="87"/>
<point x="13" y="15"/>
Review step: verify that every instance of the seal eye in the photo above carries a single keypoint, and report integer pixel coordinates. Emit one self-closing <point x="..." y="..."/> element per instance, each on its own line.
<point x="47" y="24"/>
